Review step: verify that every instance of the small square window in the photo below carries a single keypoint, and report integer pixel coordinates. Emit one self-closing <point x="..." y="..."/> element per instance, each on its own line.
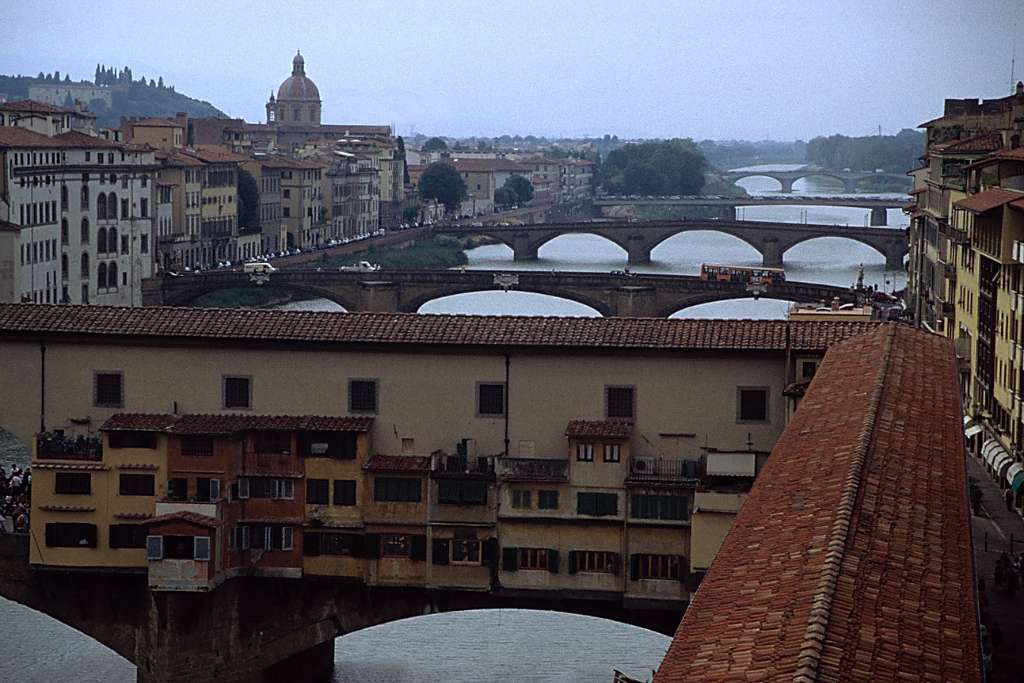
<point x="547" y="500"/>
<point x="237" y="392"/>
<point x="490" y="399"/>
<point x="109" y="390"/>
<point x="619" y="403"/>
<point x="522" y="499"/>
<point x="752" y="404"/>
<point x="362" y="396"/>
<point x="611" y="452"/>
<point x="585" y="452"/>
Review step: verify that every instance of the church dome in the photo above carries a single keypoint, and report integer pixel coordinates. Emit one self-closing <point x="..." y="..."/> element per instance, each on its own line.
<point x="298" y="86"/>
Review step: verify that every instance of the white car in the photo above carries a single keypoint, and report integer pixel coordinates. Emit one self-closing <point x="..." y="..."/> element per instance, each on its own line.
<point x="361" y="267"/>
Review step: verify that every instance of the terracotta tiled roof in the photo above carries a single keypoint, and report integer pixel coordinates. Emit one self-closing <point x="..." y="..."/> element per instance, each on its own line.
<point x="216" y="155"/>
<point x="987" y="200"/>
<point x="23" y="137"/>
<point x="488" y="165"/>
<point x="607" y="429"/>
<point x="177" y="159"/>
<point x="183" y="516"/>
<point x="233" y="423"/>
<point x="851" y="559"/>
<point x="979" y="144"/>
<point x="33" y="106"/>
<point x="74" y="139"/>
<point x="398" y="463"/>
<point x="418" y="330"/>
<point x="153" y="122"/>
<point x="9" y="227"/>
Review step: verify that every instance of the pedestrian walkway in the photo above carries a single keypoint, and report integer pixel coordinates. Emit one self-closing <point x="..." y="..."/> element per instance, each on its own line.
<point x="998" y="530"/>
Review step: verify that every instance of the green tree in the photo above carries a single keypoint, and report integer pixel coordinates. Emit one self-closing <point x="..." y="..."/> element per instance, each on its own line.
<point x="248" y="200"/>
<point x="442" y="182"/>
<point x="400" y="143"/>
<point x="520" y="187"/>
<point x="435" y="145"/>
<point x="663" y="167"/>
<point x="410" y="214"/>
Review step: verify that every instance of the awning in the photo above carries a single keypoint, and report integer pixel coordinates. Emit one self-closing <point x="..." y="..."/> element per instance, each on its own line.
<point x="967" y="420"/>
<point x="1018" y="481"/>
<point x="1013" y="472"/>
<point x="972" y="430"/>
<point x="1001" y="464"/>
<point x="990" y="449"/>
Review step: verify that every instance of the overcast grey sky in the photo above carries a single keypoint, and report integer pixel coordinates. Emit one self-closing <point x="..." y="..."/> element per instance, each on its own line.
<point x="720" y="69"/>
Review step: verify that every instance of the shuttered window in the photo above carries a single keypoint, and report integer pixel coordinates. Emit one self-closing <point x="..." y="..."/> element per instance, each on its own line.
<point x="109" y="390"/>
<point x="237" y="394"/>
<point x="72" y="483"/>
<point x="137" y="484"/>
<point x="491" y="399"/>
<point x="127" y="536"/>
<point x="362" y="396"/>
<point x="317" y="491"/>
<point x="70" y="535"/>
<point x="344" y="492"/>
<point x="619" y="403"/>
<point x="396" y="490"/>
<point x="597" y="504"/>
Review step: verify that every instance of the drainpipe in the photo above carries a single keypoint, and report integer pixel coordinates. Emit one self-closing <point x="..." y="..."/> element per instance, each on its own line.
<point x="42" y="386"/>
<point x="508" y="364"/>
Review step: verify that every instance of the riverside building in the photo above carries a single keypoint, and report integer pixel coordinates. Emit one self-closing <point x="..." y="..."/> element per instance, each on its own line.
<point x="581" y="458"/>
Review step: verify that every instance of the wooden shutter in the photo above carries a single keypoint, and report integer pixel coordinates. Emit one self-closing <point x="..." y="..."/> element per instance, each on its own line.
<point x="440" y="552"/>
<point x="572" y="561"/>
<point x="243" y="488"/>
<point x="310" y="544"/>
<point x="418" y="547"/>
<point x="684" y="568"/>
<point x="510" y="559"/>
<point x="553" y="561"/>
<point x="634" y="567"/>
<point x="616" y="560"/>
<point x="489" y="552"/>
<point x="371" y="546"/>
<point x="154" y="547"/>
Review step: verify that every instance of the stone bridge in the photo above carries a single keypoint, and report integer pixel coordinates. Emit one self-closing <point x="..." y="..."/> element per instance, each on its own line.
<point x="405" y="291"/>
<point x="849" y="179"/>
<point x="639" y="238"/>
<point x="612" y="206"/>
<point x="253" y="629"/>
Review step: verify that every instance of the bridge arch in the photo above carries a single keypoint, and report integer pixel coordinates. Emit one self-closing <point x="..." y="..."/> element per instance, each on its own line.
<point x="607" y="236"/>
<point x="189" y="296"/>
<point x="760" y="174"/>
<point x="740" y="234"/>
<point x="413" y="304"/>
<point x="892" y="249"/>
<point x="690" y="301"/>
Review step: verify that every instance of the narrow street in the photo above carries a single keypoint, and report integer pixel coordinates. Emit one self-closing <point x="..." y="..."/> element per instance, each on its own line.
<point x="997" y="530"/>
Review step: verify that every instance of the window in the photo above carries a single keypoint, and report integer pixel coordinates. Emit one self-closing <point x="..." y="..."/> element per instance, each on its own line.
<point x="237" y="393"/>
<point x="143" y="205"/>
<point x="316" y="491"/>
<point x="653" y="506"/>
<point x="619" y="403"/>
<point x="362" y="396"/>
<point x="108" y="391"/>
<point x="643" y="566"/>
<point x="201" y="548"/>
<point x="331" y="544"/>
<point x="396" y="490"/>
<point x="597" y="504"/>
<point x="344" y="492"/>
<point x="537" y="558"/>
<point x="177" y="488"/>
<point x="131" y="439"/>
<point x="287" y="538"/>
<point x="490" y="399"/>
<point x="808" y="368"/>
<point x="137" y="484"/>
<point x="585" y="452"/>
<point x="340" y="445"/>
<point x="595" y="561"/>
<point x="207" y="489"/>
<point x="395" y="545"/>
<point x="461" y="492"/>
<point x="611" y="452"/>
<point x="465" y="551"/>
<point x="154" y="547"/>
<point x="179" y="547"/>
<point x="70" y="535"/>
<point x="272" y="442"/>
<point x="547" y="500"/>
<point x="127" y="536"/>
<point x="752" y="404"/>
<point x="144" y="247"/>
<point x="73" y="483"/>
<point x="197" y="445"/>
<point x="522" y="499"/>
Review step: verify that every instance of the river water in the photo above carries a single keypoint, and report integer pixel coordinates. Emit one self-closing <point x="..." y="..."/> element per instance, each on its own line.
<point x="504" y="645"/>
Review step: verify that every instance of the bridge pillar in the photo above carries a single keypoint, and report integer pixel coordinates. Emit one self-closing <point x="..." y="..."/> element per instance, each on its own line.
<point x="879" y="216"/>
<point x="633" y="302"/>
<point x="894" y="253"/>
<point x="638" y="250"/>
<point x="379" y="297"/>
<point x="771" y="253"/>
<point x="787" y="184"/>
<point x="521" y="249"/>
<point x="727" y="213"/>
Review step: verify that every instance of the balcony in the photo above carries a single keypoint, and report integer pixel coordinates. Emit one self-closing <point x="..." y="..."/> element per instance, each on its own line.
<point x="168" y="506"/>
<point x="533" y="469"/>
<point x="56" y="446"/>
<point x="645" y="470"/>
<point x="444" y="466"/>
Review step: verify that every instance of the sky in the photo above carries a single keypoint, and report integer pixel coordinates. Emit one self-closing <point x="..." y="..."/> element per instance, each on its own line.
<point x="717" y="69"/>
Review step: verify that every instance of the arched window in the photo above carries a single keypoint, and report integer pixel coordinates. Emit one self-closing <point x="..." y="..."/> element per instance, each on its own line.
<point x="64" y="231"/>
<point x="101" y="239"/>
<point x="101" y="206"/>
<point x="112" y="241"/>
<point x="85" y="231"/>
<point x="85" y="197"/>
<point x="112" y="206"/>
<point x="101" y="276"/>
<point x="112" y="276"/>
<point x="85" y="266"/>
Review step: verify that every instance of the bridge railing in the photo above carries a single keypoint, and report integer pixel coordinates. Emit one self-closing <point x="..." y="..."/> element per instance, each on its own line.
<point x="56" y="445"/>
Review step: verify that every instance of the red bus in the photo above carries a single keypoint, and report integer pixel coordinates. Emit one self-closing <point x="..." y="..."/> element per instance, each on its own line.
<point x="751" y="276"/>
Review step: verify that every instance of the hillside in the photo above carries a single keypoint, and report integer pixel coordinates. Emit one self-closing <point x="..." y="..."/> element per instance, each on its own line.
<point x="129" y="98"/>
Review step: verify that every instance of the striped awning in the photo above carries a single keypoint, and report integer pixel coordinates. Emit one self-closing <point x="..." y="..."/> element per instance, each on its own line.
<point x="1012" y="473"/>
<point x="972" y="429"/>
<point x="1001" y="463"/>
<point x="990" y="449"/>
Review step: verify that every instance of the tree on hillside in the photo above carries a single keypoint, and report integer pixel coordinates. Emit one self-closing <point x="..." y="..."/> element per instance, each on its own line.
<point x="664" y="167"/>
<point x="248" y="200"/>
<point x="442" y="182"/>
<point x="435" y="145"/>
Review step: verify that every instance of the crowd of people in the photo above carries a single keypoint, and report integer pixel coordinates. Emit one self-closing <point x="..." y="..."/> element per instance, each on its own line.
<point x="15" y="499"/>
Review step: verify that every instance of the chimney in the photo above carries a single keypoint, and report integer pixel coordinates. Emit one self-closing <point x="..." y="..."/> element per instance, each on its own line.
<point x="835" y="303"/>
<point x="181" y="118"/>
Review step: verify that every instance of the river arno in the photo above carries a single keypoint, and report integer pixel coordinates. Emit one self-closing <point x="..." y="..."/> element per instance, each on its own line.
<point x="502" y="645"/>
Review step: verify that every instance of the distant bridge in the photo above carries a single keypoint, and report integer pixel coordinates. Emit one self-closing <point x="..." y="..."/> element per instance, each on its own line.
<point x="407" y="290"/>
<point x="727" y="205"/>
<point x="849" y="179"/>
<point x="639" y="238"/>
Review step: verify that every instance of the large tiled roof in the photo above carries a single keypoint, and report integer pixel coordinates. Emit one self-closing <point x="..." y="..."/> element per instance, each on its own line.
<point x="23" y="137"/>
<point x="979" y="144"/>
<point x="489" y="165"/>
<point x="398" y="463"/>
<point x="607" y="429"/>
<point x="215" y="155"/>
<point x="851" y="559"/>
<point x="34" y="107"/>
<point x="418" y="330"/>
<point x="233" y="423"/>
<point x="988" y="199"/>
